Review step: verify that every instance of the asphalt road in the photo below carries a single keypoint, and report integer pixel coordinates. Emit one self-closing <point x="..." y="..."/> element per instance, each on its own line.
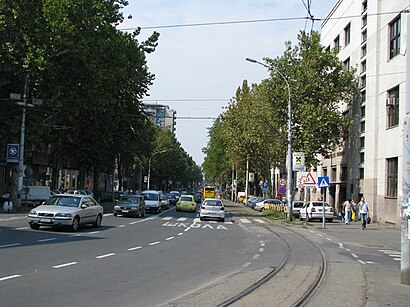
<point x="128" y="261"/>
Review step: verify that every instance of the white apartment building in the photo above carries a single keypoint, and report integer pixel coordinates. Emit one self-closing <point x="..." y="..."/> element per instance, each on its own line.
<point x="161" y="115"/>
<point x="371" y="35"/>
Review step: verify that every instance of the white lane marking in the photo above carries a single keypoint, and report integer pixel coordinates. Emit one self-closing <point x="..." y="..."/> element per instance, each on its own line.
<point x="93" y="232"/>
<point x="197" y="220"/>
<point x="46" y="240"/>
<point x="261" y="249"/>
<point x="262" y="243"/>
<point x="228" y="223"/>
<point x="311" y="231"/>
<point x="121" y="226"/>
<point x="107" y="214"/>
<point x="340" y="245"/>
<point x="134" y="248"/>
<point x="320" y="235"/>
<point x="187" y="229"/>
<point x="182" y="219"/>
<point x="348" y="249"/>
<point x="354" y="255"/>
<point x="386" y="250"/>
<point x="395" y="255"/>
<point x="167" y="218"/>
<point x="73" y="236"/>
<point x="245" y="265"/>
<point x="245" y="221"/>
<point x="154" y="243"/>
<point x="10" y="245"/>
<point x="169" y="238"/>
<point x="180" y="234"/>
<point x="370" y="262"/>
<point x="135" y="222"/>
<point x="63" y="265"/>
<point x="9" y="277"/>
<point x="22" y="228"/>
<point x="212" y="222"/>
<point x="256" y="256"/>
<point x="260" y="221"/>
<point x="105" y="256"/>
<point x="329" y="239"/>
<point x="361" y="261"/>
<point x="397" y="259"/>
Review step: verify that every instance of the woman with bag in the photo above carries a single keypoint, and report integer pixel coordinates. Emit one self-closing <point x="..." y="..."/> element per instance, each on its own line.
<point x="364" y="212"/>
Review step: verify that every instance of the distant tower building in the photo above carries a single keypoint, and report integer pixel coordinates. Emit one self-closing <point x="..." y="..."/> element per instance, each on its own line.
<point x="161" y="115"/>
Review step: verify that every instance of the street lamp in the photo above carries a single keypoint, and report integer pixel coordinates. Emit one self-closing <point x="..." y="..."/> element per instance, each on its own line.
<point x="149" y="165"/>
<point x="289" y="173"/>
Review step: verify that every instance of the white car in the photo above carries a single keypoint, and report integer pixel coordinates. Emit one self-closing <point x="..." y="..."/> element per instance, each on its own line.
<point x="212" y="208"/>
<point x="66" y="210"/>
<point x="268" y="204"/>
<point x="314" y="210"/>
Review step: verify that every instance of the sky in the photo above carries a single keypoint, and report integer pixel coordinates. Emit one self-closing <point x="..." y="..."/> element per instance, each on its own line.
<point x="199" y="68"/>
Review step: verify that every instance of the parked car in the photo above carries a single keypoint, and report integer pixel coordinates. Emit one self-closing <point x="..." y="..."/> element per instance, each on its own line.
<point x="86" y="191"/>
<point x="297" y="205"/>
<point x="164" y="202"/>
<point x="252" y="202"/>
<point x="35" y="195"/>
<point x="186" y="203"/>
<point x="212" y="208"/>
<point x="267" y="204"/>
<point x="70" y="210"/>
<point x="314" y="210"/>
<point x="152" y="200"/>
<point x="130" y="205"/>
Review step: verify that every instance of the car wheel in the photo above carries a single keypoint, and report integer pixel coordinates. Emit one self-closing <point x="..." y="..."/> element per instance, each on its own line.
<point x="222" y="219"/>
<point x="330" y="220"/>
<point x="300" y="217"/>
<point x="76" y="223"/>
<point x="98" y="220"/>
<point x="35" y="226"/>
<point x="115" y="214"/>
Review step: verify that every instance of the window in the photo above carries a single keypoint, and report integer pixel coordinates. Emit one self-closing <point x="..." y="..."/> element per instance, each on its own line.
<point x="364" y="36"/>
<point x="362" y="111"/>
<point x="362" y="126"/>
<point x="346" y="64"/>
<point x="343" y="175"/>
<point x="364" y="21"/>
<point x="362" y="157"/>
<point x="362" y="142"/>
<point x="362" y="81"/>
<point x="392" y="169"/>
<point x="363" y="96"/>
<point x="363" y="50"/>
<point x="324" y="172"/>
<point x="347" y="35"/>
<point x="394" y="28"/>
<point x="363" y="66"/>
<point x="361" y="173"/>
<point x="334" y="171"/>
<point x="337" y="42"/>
<point x="392" y="107"/>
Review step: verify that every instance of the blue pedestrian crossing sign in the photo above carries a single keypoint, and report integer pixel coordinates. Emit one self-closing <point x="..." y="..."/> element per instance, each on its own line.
<point x="323" y="182"/>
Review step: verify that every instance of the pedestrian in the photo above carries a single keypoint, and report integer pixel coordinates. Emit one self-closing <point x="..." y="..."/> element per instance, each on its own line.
<point x="354" y="209"/>
<point x="343" y="210"/>
<point x="364" y="212"/>
<point x="348" y="212"/>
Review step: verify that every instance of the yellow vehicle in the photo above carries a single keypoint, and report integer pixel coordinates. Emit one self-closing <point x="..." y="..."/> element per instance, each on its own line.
<point x="186" y="203"/>
<point x="209" y="192"/>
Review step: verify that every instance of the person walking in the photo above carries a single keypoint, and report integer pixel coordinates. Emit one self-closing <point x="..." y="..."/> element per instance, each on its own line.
<point x="348" y="212"/>
<point x="354" y="209"/>
<point x="364" y="212"/>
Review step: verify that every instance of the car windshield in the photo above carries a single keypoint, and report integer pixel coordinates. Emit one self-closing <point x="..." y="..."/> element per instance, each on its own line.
<point x="320" y="204"/>
<point x="186" y="198"/>
<point x="65" y="201"/>
<point x="132" y="199"/>
<point x="297" y="205"/>
<point x="212" y="202"/>
<point x="151" y="196"/>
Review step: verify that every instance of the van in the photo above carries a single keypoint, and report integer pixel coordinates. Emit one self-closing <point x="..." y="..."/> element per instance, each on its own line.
<point x="152" y="200"/>
<point x="34" y="195"/>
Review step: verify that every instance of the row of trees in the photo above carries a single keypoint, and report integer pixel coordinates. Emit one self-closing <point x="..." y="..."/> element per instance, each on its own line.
<point x="254" y="126"/>
<point x="91" y="78"/>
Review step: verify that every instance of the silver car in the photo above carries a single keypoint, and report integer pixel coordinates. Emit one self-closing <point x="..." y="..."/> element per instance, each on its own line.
<point x="314" y="210"/>
<point x="212" y="208"/>
<point x="66" y="210"/>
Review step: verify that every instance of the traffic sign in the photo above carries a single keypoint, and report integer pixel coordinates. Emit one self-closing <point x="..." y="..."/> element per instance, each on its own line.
<point x="298" y="161"/>
<point x="309" y="180"/>
<point x="282" y="190"/>
<point x="282" y="182"/>
<point x="323" y="182"/>
<point x="13" y="153"/>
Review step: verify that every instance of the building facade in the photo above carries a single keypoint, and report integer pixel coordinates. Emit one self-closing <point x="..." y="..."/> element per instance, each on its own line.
<point x="369" y="37"/>
<point x="161" y="115"/>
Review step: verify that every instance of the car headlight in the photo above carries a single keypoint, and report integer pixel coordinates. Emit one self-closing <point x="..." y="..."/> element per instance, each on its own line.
<point x="33" y="213"/>
<point x="116" y="207"/>
<point x="64" y="215"/>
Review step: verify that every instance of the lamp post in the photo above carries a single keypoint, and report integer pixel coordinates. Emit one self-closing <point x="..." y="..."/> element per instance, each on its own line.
<point x="289" y="154"/>
<point x="149" y="166"/>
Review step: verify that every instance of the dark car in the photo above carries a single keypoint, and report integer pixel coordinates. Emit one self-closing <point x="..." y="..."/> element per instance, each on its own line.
<point x="133" y="205"/>
<point x="172" y="199"/>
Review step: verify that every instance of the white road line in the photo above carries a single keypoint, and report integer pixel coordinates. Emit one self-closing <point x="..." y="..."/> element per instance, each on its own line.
<point x="261" y="250"/>
<point x="9" y="277"/>
<point x="260" y="221"/>
<point x="181" y="219"/>
<point x="134" y="248"/>
<point x="361" y="261"/>
<point x="46" y="240"/>
<point x="107" y="214"/>
<point x="348" y="249"/>
<point x="10" y="245"/>
<point x="397" y="259"/>
<point x="93" y="232"/>
<point x="154" y="243"/>
<point x="245" y="221"/>
<point x="340" y="245"/>
<point x="245" y="265"/>
<point x="256" y="256"/>
<point x="21" y="228"/>
<point x="197" y="220"/>
<point x="329" y="239"/>
<point x="186" y="229"/>
<point x="180" y="234"/>
<point x="76" y="235"/>
<point x="212" y="222"/>
<point x="169" y="238"/>
<point x="386" y="250"/>
<point x="262" y="243"/>
<point x="370" y="262"/>
<point x="354" y="255"/>
<point x="63" y="265"/>
<point x="105" y="256"/>
<point x="121" y="226"/>
<point x="167" y="218"/>
<point x="135" y="222"/>
<point x="320" y="235"/>
<point x="228" y="223"/>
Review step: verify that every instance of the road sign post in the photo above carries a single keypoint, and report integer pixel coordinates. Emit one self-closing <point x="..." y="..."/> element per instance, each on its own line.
<point x="323" y="183"/>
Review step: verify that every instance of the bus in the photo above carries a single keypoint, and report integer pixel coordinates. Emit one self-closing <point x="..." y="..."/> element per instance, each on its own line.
<point x="209" y="192"/>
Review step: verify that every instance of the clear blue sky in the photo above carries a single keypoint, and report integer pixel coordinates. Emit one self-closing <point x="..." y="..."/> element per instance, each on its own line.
<point x="199" y="68"/>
